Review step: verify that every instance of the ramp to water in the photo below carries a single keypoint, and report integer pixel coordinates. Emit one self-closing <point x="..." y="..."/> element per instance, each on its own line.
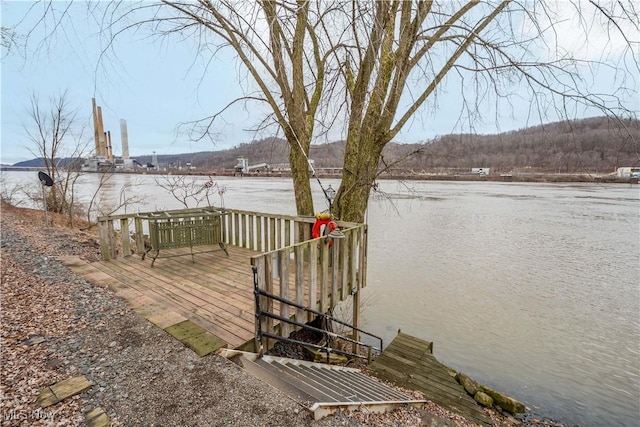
<point x="323" y="389"/>
<point x="409" y="362"/>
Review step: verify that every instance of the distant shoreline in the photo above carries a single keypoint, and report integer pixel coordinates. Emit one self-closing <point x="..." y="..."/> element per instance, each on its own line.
<point x="406" y="176"/>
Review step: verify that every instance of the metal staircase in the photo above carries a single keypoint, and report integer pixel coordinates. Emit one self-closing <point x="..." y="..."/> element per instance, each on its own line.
<point x="323" y="389"/>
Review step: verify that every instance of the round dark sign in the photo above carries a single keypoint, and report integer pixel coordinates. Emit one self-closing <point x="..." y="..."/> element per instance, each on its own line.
<point x="45" y="179"/>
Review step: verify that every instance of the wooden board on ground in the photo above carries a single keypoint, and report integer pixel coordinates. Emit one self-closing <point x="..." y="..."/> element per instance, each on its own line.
<point x="166" y="319"/>
<point x="97" y="417"/>
<point x="61" y="390"/>
<point x="409" y="362"/>
<point x="195" y="337"/>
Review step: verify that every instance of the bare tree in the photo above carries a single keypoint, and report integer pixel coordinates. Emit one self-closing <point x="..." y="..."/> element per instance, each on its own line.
<point x="57" y="139"/>
<point x="392" y="58"/>
<point x="7" y="39"/>
<point x="371" y="68"/>
<point x="393" y="70"/>
<point x="190" y="191"/>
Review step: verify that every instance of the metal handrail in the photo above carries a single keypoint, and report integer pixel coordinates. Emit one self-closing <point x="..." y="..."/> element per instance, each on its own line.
<point x="259" y="333"/>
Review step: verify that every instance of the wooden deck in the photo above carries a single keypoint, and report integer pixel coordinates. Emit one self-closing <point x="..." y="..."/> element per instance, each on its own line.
<point x="214" y="292"/>
<point x="409" y="362"/>
<point x="213" y="297"/>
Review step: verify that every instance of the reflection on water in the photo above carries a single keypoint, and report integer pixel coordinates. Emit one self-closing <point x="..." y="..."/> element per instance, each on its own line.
<point x="532" y="289"/>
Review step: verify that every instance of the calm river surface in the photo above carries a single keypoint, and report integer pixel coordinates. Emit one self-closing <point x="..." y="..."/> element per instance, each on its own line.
<point x="533" y="289"/>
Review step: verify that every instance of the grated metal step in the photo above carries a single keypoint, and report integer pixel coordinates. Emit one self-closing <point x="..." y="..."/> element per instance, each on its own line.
<point x="322" y="388"/>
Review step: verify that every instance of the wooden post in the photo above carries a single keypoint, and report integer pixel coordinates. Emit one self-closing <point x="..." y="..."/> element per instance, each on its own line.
<point x="103" y="230"/>
<point x="260" y="265"/>
<point x="124" y="235"/>
<point x="356" y="295"/>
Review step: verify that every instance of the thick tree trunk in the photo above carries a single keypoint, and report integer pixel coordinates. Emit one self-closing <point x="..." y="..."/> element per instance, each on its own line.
<point x="301" y="183"/>
<point x="358" y="177"/>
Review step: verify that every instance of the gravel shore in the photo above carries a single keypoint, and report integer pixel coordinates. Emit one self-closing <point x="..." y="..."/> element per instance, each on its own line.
<point x="55" y="325"/>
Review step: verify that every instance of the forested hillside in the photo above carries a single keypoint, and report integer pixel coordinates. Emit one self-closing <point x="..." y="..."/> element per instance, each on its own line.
<point x="594" y="144"/>
<point x="589" y="145"/>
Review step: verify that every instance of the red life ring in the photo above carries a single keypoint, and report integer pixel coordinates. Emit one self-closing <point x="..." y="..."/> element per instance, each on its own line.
<point x="323" y="227"/>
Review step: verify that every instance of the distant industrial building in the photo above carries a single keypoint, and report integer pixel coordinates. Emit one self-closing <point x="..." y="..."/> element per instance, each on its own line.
<point x="103" y="159"/>
<point x="480" y="171"/>
<point x="628" y="172"/>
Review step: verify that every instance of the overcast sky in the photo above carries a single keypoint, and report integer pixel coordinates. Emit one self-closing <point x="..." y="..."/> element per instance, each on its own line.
<point x="156" y="85"/>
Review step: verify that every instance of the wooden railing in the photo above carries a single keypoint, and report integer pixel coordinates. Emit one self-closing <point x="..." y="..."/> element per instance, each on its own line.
<point x="313" y="274"/>
<point x="317" y="273"/>
<point x="119" y="232"/>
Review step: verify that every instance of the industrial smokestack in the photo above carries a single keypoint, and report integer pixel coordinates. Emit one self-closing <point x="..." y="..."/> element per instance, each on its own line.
<point x="124" y="137"/>
<point x="96" y="127"/>
<point x="103" y="136"/>
<point x="109" y="147"/>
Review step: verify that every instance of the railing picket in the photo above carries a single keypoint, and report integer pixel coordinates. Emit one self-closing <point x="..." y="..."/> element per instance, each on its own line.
<point x="245" y="231"/>
<point x="324" y="276"/>
<point x="283" y="261"/>
<point x="287" y="232"/>
<point x="296" y="232"/>
<point x="268" y="286"/>
<point x="272" y="234"/>
<point x="139" y="235"/>
<point x="299" y="255"/>
<point x="313" y="276"/>
<point x="344" y="267"/>
<point x="236" y="229"/>
<point x="363" y="255"/>
<point x="251" y="219"/>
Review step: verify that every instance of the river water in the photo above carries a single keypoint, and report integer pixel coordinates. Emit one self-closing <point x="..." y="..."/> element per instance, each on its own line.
<point x="532" y="289"/>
